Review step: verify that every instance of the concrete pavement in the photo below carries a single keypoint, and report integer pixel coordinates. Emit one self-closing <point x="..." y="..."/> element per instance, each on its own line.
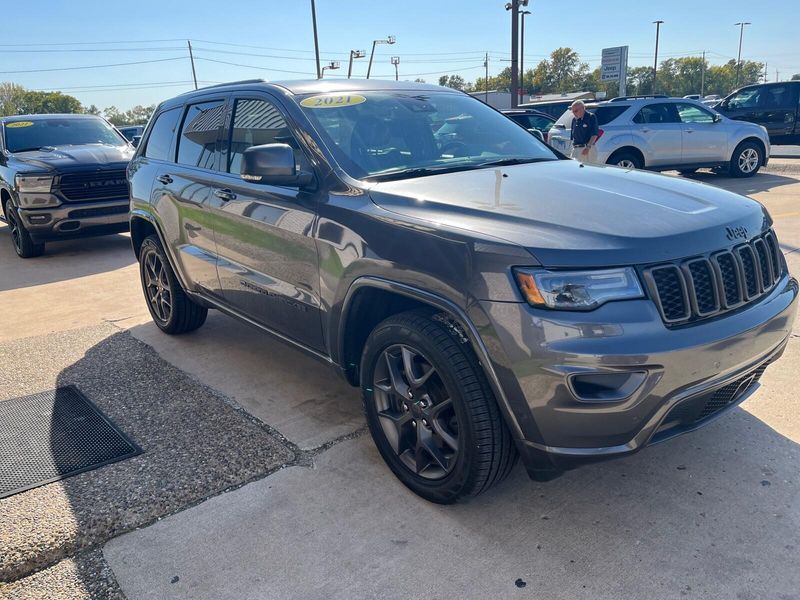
<point x="714" y="514"/>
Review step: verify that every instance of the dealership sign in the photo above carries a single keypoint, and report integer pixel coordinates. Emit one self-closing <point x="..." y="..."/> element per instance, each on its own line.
<point x="614" y="66"/>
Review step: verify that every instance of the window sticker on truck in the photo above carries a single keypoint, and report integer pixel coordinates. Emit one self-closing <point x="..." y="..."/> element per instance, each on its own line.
<point x="332" y="101"/>
<point x="20" y="124"/>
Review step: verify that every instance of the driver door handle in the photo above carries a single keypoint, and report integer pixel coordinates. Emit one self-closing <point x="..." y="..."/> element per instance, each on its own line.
<point x="225" y="195"/>
<point x="165" y="179"/>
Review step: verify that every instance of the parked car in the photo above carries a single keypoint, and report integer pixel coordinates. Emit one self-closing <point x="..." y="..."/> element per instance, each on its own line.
<point x="693" y="96"/>
<point x="531" y="120"/>
<point x="711" y="100"/>
<point x="661" y="134"/>
<point x="132" y="131"/>
<point x="554" y="108"/>
<point x="497" y="301"/>
<point x="61" y="176"/>
<point x="775" y="106"/>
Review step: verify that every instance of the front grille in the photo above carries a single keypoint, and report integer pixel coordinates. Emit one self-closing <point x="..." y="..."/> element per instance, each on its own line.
<point x="94" y="185"/>
<point x="707" y="286"/>
<point x="730" y="393"/>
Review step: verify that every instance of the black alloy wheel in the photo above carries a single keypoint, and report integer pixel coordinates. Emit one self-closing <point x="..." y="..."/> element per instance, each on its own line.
<point x="156" y="286"/>
<point x="23" y="244"/>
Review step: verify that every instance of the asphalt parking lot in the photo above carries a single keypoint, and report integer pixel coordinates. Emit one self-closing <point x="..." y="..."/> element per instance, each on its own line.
<point x="257" y="480"/>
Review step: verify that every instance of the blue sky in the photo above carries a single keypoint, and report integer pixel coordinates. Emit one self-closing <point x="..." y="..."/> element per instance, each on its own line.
<point x="432" y="37"/>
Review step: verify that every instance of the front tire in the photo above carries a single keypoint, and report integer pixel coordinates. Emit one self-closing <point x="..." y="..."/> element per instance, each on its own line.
<point x="747" y="159"/>
<point x="430" y="410"/>
<point x="24" y="246"/>
<point x="171" y="309"/>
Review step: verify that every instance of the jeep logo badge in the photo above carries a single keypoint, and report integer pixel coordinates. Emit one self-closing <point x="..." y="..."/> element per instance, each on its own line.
<point x="734" y="233"/>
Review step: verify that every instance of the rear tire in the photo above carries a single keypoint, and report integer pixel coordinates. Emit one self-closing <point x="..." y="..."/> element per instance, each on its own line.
<point x="171" y="309"/>
<point x="24" y="246"/>
<point x="625" y="159"/>
<point x="747" y="159"/>
<point x="430" y="410"/>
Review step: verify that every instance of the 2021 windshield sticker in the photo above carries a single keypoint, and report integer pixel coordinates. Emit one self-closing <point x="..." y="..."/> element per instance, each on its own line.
<point x="332" y="101"/>
<point x="19" y="124"/>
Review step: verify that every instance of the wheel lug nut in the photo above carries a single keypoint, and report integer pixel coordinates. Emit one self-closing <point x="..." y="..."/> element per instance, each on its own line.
<point x="405" y="407"/>
<point x="413" y="423"/>
<point x="425" y="422"/>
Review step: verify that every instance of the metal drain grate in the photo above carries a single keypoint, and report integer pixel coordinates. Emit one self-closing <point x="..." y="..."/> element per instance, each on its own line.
<point x="52" y="435"/>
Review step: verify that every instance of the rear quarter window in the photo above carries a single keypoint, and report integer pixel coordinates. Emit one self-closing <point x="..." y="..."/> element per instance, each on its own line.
<point x="606" y="114"/>
<point x="160" y="139"/>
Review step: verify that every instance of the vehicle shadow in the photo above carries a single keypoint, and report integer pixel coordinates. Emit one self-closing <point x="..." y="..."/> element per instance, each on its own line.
<point x="64" y="260"/>
<point x="761" y="182"/>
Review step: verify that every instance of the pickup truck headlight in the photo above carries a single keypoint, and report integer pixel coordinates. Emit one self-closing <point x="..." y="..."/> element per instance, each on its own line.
<point x="34" y="183"/>
<point x="577" y="290"/>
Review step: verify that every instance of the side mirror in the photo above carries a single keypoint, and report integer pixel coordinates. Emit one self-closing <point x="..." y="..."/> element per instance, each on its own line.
<point x="273" y="164"/>
<point x="717" y="118"/>
<point x="136" y="140"/>
<point x="537" y="134"/>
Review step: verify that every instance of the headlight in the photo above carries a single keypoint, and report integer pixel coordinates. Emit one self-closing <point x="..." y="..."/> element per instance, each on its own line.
<point x="34" y="183"/>
<point x="577" y="290"/>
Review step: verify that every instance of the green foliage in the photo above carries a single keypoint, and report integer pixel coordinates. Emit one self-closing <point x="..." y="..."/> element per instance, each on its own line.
<point x="16" y="100"/>
<point x="796" y="77"/>
<point x="138" y="115"/>
<point x="452" y="81"/>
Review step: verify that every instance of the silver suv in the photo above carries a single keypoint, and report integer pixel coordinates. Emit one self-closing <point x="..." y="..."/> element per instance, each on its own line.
<point x="661" y="133"/>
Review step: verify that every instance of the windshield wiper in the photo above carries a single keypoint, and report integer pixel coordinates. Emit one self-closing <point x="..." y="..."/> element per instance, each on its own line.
<point x="419" y="172"/>
<point x="504" y="162"/>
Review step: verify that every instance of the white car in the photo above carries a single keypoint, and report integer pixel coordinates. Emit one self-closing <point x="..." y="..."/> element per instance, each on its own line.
<point x="661" y="134"/>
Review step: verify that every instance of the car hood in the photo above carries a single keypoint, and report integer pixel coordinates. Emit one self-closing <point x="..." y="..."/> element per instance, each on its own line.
<point x="569" y="215"/>
<point x="63" y="158"/>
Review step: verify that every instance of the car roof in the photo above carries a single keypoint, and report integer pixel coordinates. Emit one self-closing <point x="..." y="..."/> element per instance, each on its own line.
<point x="312" y="86"/>
<point x="12" y="118"/>
<point x="525" y="111"/>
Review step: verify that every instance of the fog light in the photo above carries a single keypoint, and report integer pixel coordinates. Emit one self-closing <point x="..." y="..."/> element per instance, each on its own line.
<point x="606" y="387"/>
<point x="39" y="219"/>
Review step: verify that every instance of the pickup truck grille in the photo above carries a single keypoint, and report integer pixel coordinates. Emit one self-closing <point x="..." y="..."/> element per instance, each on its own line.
<point x="707" y="286"/>
<point x="94" y="185"/>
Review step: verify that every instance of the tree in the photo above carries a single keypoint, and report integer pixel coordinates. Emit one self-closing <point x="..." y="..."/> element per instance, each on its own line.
<point x="452" y="81"/>
<point x="92" y="110"/>
<point x="16" y="100"/>
<point x="10" y="95"/>
<point x="796" y="77"/>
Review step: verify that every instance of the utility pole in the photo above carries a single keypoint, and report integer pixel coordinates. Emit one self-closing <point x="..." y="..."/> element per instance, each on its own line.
<point x="316" y="40"/>
<point x="655" y="61"/>
<point x="191" y="58"/>
<point x="703" y="77"/>
<point x="739" y="59"/>
<point x="777" y="76"/>
<point x="486" y="78"/>
<point x="522" y="49"/>
<point x="765" y="72"/>
<point x="513" y="6"/>
<point x="396" y="63"/>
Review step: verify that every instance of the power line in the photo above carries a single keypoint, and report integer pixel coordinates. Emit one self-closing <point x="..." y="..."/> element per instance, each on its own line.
<point x="139" y="62"/>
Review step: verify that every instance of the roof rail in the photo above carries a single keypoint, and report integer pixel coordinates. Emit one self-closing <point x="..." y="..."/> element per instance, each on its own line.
<point x="242" y="82"/>
<point x="648" y="97"/>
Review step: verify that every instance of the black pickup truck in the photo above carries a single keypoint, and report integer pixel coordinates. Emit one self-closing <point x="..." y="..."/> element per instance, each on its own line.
<point x="61" y="176"/>
<point x="775" y="106"/>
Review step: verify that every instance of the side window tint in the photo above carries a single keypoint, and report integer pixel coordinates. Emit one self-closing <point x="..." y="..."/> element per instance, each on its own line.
<point x="779" y="97"/>
<point x="748" y="98"/>
<point x="160" y="138"/>
<point x="691" y="113"/>
<point x="257" y="122"/>
<point x="655" y="114"/>
<point x="197" y="145"/>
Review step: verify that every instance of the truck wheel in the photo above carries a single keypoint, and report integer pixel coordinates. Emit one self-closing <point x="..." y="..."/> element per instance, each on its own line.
<point x="746" y="160"/>
<point x="23" y="244"/>
<point x="626" y="160"/>
<point x="430" y="410"/>
<point x="172" y="310"/>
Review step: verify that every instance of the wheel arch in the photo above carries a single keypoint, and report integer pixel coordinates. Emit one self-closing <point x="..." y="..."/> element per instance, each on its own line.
<point x="381" y="298"/>
<point x="144" y="224"/>
<point x="5" y="198"/>
<point x="754" y="139"/>
<point x="631" y="149"/>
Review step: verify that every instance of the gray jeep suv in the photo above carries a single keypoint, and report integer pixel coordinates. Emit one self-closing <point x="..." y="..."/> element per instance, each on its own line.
<point x="490" y="298"/>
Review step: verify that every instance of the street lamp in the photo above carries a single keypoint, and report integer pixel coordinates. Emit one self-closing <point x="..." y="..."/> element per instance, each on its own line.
<point x="316" y="40"/>
<point x="513" y="6"/>
<point x="389" y="40"/>
<point x="334" y="64"/>
<point x="522" y="48"/>
<point x="396" y="63"/>
<point x="741" y="25"/>
<point x="655" y="61"/>
<point x="354" y="54"/>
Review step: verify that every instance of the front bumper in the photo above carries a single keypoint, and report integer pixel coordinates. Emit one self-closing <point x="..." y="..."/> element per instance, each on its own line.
<point x="539" y="356"/>
<point x="76" y="219"/>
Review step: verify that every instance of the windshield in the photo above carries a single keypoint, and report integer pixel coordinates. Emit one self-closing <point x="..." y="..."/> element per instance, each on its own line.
<point x="379" y="135"/>
<point x="24" y="135"/>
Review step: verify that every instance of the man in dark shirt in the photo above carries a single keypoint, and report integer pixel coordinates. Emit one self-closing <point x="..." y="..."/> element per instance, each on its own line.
<point x="584" y="133"/>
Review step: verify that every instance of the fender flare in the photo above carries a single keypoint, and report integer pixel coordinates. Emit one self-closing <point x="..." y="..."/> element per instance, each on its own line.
<point x="455" y="312"/>
<point x="138" y="213"/>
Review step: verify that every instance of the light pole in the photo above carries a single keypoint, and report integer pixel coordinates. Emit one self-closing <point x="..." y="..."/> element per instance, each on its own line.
<point x="316" y="40"/>
<point x="396" y="63"/>
<point x="389" y="40"/>
<point x="655" y="61"/>
<point x="522" y="49"/>
<point x="740" y="25"/>
<point x="334" y="64"/>
<point x="513" y="6"/>
<point x="354" y="54"/>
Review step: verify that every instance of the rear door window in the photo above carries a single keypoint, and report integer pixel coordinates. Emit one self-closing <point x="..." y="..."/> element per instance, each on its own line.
<point x="656" y="113"/>
<point x="781" y="96"/>
<point x="197" y="145"/>
<point x="160" y="138"/>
